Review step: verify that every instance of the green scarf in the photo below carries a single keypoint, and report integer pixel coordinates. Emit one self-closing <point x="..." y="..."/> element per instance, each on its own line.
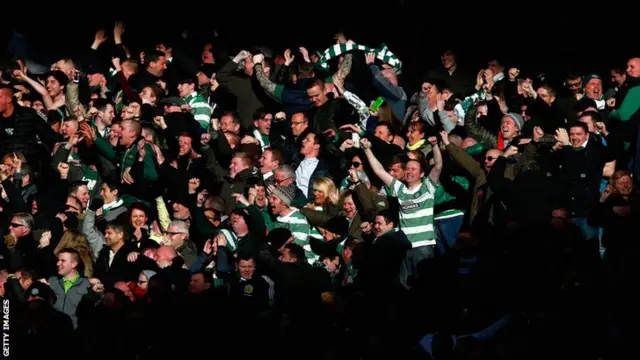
<point x="382" y="53"/>
<point x="262" y="139"/>
<point x="462" y="107"/>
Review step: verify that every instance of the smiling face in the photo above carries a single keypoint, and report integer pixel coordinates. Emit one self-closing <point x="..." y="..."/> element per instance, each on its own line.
<point x="577" y="136"/>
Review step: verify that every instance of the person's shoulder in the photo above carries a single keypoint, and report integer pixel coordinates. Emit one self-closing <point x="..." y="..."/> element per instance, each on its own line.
<point x="26" y="112"/>
<point x="53" y="281"/>
<point x="84" y="281"/>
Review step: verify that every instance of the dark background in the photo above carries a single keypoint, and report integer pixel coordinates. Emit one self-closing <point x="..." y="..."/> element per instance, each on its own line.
<point x="577" y="39"/>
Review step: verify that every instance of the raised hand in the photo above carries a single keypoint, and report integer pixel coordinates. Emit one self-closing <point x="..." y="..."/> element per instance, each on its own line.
<point x="370" y="58"/>
<point x="288" y="58"/>
<point x="537" y="133"/>
<point x="118" y="30"/>
<point x="445" y="137"/>
<point x="305" y="54"/>
<point x="194" y="184"/>
<point x="611" y="102"/>
<point x="99" y="38"/>
<point x="159" y="121"/>
<point x="63" y="169"/>
<point x="365" y="144"/>
<point x="204" y="139"/>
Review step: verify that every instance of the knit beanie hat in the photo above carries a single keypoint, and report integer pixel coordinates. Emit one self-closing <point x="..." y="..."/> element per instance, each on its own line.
<point x="284" y="193"/>
<point x="517" y="119"/>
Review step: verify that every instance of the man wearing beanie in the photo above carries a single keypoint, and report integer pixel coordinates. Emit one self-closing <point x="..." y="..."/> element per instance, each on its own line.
<point x="593" y="96"/>
<point x="510" y="128"/>
<point x="290" y="218"/>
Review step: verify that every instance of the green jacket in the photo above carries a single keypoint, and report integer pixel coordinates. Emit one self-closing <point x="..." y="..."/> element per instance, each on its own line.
<point x="127" y="158"/>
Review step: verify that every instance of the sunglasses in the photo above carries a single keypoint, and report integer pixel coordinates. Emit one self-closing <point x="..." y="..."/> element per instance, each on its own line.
<point x="280" y="181"/>
<point x="490" y="158"/>
<point x="15" y="225"/>
<point x="356" y="164"/>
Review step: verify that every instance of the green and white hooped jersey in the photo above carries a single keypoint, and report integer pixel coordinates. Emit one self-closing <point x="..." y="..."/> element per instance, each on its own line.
<point x="416" y="211"/>
<point x="300" y="229"/>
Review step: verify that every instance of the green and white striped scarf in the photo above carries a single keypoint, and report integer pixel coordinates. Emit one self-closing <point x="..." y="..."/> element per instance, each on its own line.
<point x="464" y="106"/>
<point x="382" y="53"/>
<point x="232" y="240"/>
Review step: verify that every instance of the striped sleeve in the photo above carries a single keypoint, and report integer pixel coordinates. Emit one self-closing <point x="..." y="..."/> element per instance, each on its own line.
<point x="201" y="111"/>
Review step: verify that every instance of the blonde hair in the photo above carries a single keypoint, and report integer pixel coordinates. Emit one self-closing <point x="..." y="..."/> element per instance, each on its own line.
<point x="77" y="241"/>
<point x="14" y="155"/>
<point x="328" y="188"/>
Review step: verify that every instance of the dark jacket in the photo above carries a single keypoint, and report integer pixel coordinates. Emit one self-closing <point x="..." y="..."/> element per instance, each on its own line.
<point x="121" y="269"/>
<point x="251" y="297"/>
<point x="236" y="185"/>
<point x="240" y="85"/>
<point x="580" y="177"/>
<point x="24" y="130"/>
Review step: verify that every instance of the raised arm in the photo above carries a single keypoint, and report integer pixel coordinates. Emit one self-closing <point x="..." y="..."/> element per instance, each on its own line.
<point x="48" y="102"/>
<point x="344" y="69"/>
<point x="267" y="85"/>
<point x="435" y="172"/>
<point x="375" y="164"/>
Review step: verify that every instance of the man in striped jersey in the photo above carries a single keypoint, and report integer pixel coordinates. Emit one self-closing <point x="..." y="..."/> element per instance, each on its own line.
<point x="291" y="218"/>
<point x="200" y="108"/>
<point x="416" y="196"/>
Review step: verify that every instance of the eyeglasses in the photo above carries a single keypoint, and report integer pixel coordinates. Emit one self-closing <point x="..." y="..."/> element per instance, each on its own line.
<point x="356" y="164"/>
<point x="15" y="225"/>
<point x="490" y="158"/>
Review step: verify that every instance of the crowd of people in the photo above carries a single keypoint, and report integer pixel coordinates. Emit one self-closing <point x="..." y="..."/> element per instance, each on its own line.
<point x="187" y="199"/>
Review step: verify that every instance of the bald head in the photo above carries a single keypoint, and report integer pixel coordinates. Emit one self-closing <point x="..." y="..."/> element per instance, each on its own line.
<point x="165" y="255"/>
<point x="6" y="100"/>
<point x="133" y="125"/>
<point x="633" y="67"/>
<point x="468" y="142"/>
<point x="131" y="131"/>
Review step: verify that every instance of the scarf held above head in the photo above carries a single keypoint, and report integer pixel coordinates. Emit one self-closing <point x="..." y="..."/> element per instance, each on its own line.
<point x="381" y="53"/>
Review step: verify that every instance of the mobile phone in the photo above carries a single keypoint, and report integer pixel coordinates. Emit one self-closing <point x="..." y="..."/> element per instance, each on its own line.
<point x="76" y="77"/>
<point x="376" y="104"/>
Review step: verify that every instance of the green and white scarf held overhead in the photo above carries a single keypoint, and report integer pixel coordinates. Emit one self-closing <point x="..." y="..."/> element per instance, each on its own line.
<point x="381" y="53"/>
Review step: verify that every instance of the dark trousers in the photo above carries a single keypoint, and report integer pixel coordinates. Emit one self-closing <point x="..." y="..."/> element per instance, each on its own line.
<point x="409" y="268"/>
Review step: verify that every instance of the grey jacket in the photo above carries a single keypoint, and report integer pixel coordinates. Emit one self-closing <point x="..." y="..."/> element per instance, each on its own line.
<point x="68" y="303"/>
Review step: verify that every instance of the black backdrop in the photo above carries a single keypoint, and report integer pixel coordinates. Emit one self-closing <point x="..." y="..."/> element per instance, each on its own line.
<point x="550" y="40"/>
